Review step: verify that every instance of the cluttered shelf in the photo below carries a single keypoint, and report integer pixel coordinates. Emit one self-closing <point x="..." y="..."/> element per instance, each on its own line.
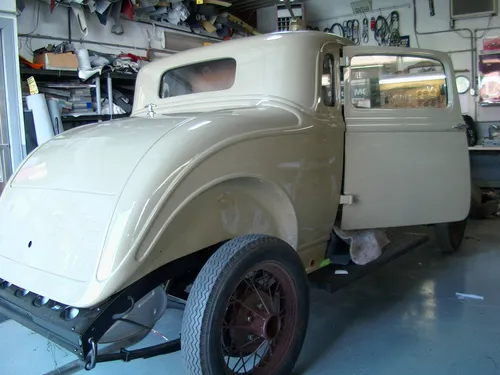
<point x="92" y="118"/>
<point x="484" y="148"/>
<point x="73" y="74"/>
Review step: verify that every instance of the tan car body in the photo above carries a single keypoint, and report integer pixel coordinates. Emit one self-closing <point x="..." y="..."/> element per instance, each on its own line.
<point x="99" y="207"/>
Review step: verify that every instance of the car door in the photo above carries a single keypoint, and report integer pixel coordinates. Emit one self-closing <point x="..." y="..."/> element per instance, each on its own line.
<point x="406" y="155"/>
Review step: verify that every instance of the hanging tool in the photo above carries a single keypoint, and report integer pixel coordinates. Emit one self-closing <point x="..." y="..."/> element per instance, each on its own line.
<point x="387" y="30"/>
<point x="432" y="10"/>
<point x="381" y="30"/>
<point x="349" y="30"/>
<point x="373" y="23"/>
<point x="355" y="31"/>
<point x="395" y="36"/>
<point x="338" y="26"/>
<point x="366" y="34"/>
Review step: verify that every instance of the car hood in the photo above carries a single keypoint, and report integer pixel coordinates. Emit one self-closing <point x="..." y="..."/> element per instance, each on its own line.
<point x="79" y="174"/>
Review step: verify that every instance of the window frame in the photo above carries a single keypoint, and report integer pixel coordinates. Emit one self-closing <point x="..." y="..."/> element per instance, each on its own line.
<point x="449" y="99"/>
<point x="332" y="87"/>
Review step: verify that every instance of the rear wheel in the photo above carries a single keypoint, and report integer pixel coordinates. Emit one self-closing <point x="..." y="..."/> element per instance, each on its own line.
<point x="449" y="236"/>
<point x="247" y="311"/>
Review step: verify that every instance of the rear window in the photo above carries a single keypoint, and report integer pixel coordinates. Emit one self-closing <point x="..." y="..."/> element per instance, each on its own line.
<point x="207" y="76"/>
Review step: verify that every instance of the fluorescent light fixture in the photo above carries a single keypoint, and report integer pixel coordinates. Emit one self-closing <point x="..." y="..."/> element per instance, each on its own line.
<point x="430" y="77"/>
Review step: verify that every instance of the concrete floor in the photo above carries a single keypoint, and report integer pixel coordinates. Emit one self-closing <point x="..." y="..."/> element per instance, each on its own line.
<point x="403" y="319"/>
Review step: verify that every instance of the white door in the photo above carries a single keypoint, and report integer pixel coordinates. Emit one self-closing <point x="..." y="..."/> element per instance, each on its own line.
<point x="406" y="155"/>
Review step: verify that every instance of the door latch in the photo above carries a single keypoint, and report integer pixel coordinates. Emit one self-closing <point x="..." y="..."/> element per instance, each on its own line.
<point x="346" y="199"/>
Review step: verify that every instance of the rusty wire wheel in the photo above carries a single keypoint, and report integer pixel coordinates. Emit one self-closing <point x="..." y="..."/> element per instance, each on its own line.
<point x="247" y="311"/>
<point x="260" y="321"/>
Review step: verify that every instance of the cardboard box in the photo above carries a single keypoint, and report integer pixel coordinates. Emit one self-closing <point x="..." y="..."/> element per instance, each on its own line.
<point x="57" y="61"/>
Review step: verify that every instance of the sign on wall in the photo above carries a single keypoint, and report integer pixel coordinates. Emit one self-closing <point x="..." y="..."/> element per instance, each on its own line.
<point x="404" y="41"/>
<point x="361" y="6"/>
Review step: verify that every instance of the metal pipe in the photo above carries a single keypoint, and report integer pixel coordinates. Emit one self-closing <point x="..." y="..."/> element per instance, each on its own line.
<point x="69" y="25"/>
<point x="289" y="7"/>
<point x="98" y="94"/>
<point x="83" y="41"/>
<point x="459" y="51"/>
<point x="396" y="7"/>
<point x="110" y="95"/>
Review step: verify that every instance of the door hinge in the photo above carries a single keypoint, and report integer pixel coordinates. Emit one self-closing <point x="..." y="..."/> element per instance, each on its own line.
<point x="344" y="61"/>
<point x="346" y="199"/>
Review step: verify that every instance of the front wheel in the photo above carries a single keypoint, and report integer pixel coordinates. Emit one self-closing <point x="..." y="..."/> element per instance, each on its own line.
<point x="449" y="236"/>
<point x="247" y="311"/>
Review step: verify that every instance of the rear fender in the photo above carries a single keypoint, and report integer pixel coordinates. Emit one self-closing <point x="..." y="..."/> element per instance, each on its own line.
<point x="221" y="211"/>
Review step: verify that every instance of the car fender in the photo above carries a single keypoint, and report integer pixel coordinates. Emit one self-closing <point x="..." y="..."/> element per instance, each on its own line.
<point x="226" y="208"/>
<point x="140" y="220"/>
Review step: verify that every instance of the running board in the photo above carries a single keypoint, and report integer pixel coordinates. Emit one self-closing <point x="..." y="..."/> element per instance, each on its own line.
<point x="401" y="243"/>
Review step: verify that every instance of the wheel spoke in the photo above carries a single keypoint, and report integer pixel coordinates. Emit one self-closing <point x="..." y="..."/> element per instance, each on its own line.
<point x="252" y="284"/>
<point x="241" y="358"/>
<point x="248" y="308"/>
<point x="248" y="343"/>
<point x="250" y="356"/>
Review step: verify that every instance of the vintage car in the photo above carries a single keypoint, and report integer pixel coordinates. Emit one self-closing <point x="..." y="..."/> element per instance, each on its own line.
<point x="240" y="162"/>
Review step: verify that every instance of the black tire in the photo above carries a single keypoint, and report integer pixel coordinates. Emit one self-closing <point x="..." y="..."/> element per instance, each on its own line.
<point x="449" y="236"/>
<point x="210" y="300"/>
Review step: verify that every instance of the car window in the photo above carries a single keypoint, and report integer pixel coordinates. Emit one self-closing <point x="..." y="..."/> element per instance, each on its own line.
<point x="391" y="82"/>
<point x="207" y="76"/>
<point x="327" y="81"/>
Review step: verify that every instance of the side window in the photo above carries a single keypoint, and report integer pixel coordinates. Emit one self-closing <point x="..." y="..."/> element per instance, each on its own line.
<point x="327" y="81"/>
<point x="390" y="82"/>
<point x="206" y="76"/>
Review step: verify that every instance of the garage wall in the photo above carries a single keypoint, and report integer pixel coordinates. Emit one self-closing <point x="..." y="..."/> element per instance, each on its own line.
<point x="56" y="24"/>
<point x="8" y="6"/>
<point x="323" y="13"/>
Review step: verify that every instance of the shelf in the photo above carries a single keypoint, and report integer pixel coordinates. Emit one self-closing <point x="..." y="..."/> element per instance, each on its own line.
<point x="486" y="53"/>
<point x="483" y="148"/>
<point x="483" y="104"/>
<point x="71" y="74"/>
<point x="92" y="118"/>
<point x="176" y="29"/>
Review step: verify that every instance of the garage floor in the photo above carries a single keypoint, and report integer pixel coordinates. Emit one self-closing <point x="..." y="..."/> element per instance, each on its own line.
<point x="403" y="319"/>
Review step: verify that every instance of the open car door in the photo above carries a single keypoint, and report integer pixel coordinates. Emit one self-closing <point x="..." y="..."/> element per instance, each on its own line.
<point x="406" y="155"/>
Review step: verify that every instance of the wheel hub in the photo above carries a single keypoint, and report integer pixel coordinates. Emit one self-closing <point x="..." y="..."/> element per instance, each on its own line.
<point x="252" y="323"/>
<point x="260" y="321"/>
